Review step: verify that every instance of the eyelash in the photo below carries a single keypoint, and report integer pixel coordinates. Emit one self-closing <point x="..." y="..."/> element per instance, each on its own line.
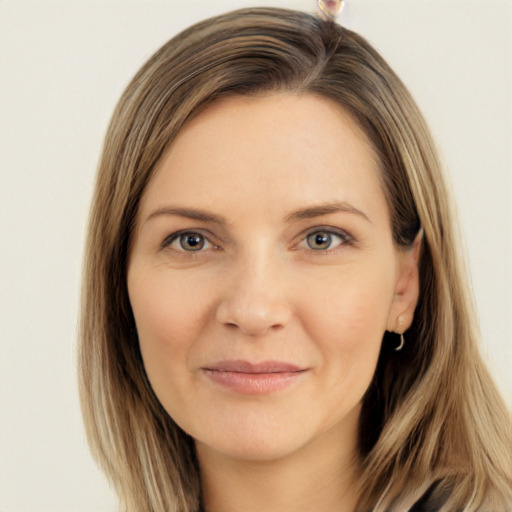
<point x="176" y="237"/>
<point x="344" y="239"/>
<point x="343" y="236"/>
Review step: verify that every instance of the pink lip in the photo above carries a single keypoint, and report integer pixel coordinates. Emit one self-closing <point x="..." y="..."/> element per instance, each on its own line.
<point x="253" y="378"/>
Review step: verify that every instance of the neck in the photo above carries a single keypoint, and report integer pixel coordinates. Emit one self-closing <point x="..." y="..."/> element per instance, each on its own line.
<point x="316" y="477"/>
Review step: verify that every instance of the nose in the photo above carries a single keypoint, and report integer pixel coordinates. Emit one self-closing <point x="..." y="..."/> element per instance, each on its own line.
<point x="254" y="300"/>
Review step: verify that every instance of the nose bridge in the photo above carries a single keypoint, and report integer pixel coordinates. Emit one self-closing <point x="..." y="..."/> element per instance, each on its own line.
<point x="254" y="297"/>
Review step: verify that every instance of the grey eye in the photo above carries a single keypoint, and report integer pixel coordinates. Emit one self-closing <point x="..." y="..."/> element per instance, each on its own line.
<point x="190" y="242"/>
<point x="324" y="240"/>
<point x="319" y="241"/>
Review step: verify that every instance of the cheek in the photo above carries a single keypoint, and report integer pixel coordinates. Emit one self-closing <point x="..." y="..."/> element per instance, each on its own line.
<point x="352" y="307"/>
<point x="168" y="314"/>
<point x="348" y="321"/>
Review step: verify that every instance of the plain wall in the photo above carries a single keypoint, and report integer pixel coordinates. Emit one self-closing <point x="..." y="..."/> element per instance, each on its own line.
<point x="64" y="64"/>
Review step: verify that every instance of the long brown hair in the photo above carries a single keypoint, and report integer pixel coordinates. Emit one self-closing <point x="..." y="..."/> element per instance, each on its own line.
<point x="432" y="416"/>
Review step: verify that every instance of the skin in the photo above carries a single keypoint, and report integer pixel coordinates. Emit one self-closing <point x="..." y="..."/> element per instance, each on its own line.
<point x="260" y="287"/>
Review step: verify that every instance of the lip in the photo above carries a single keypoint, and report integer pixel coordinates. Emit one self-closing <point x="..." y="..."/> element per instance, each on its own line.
<point x="253" y="378"/>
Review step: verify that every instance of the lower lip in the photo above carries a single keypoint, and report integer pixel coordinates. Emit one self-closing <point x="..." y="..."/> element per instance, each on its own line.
<point x="254" y="383"/>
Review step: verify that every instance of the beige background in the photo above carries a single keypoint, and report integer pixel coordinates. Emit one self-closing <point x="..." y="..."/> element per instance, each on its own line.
<point x="63" y="65"/>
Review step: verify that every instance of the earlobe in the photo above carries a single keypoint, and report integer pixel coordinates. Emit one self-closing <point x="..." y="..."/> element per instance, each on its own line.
<point x="406" y="288"/>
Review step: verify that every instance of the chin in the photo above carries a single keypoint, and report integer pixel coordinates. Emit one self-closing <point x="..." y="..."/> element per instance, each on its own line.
<point x="256" y="436"/>
<point x="250" y="435"/>
<point x="263" y="448"/>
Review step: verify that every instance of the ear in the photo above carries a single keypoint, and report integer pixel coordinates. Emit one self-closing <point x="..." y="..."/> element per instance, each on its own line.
<point x="407" y="287"/>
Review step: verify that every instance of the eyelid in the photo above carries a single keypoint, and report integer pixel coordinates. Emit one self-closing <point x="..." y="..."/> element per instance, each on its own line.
<point x="346" y="237"/>
<point x="173" y="237"/>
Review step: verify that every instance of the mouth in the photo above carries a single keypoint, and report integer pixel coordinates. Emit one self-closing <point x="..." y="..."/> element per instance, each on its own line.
<point x="253" y="378"/>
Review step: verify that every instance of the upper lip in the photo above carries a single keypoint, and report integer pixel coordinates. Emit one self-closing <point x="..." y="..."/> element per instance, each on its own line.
<point x="240" y="366"/>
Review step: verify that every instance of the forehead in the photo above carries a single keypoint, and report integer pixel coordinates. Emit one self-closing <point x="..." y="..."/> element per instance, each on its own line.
<point x="285" y="148"/>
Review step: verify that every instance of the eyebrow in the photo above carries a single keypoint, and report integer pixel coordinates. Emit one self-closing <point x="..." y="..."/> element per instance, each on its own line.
<point x="189" y="213"/>
<point x="324" y="209"/>
<point x="297" y="215"/>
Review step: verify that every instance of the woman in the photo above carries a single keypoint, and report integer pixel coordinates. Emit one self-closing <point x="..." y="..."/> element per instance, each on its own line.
<point x="275" y="315"/>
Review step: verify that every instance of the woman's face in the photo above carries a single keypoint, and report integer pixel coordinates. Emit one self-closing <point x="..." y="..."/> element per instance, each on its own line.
<point x="263" y="275"/>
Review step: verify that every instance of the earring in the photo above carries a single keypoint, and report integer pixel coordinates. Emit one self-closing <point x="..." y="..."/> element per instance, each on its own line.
<point x="400" y="332"/>
<point x="402" y="343"/>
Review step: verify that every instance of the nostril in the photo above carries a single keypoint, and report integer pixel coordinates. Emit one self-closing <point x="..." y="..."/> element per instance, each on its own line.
<point x="253" y="329"/>
<point x="252" y="313"/>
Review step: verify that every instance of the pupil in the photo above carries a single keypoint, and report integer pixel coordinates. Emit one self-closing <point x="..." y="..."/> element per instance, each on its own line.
<point x="320" y="241"/>
<point x="192" y="242"/>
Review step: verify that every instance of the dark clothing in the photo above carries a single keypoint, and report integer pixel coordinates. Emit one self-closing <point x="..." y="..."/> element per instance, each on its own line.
<point x="422" y="504"/>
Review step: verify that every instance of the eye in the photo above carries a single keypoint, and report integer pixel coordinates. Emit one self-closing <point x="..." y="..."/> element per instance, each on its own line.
<point x="324" y="240"/>
<point x="188" y="241"/>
